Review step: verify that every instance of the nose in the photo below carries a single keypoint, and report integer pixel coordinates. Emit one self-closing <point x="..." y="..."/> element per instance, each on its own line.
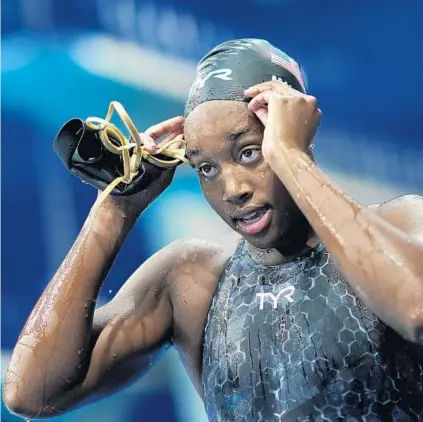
<point x="236" y="192"/>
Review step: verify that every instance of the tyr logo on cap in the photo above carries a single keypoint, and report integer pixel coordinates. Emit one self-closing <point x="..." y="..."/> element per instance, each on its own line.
<point x="223" y="74"/>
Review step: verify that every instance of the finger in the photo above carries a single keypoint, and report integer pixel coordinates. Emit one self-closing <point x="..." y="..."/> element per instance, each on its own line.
<point x="277" y="86"/>
<point x="148" y="143"/>
<point x="153" y="133"/>
<point x="178" y="142"/>
<point x="275" y="110"/>
<point x="257" y="89"/>
<point x="261" y="100"/>
<point x="266" y="106"/>
<point x="262" y="113"/>
<point x="175" y="139"/>
<point x="168" y="126"/>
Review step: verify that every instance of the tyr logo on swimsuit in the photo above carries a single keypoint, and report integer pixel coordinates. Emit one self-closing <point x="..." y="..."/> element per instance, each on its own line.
<point x="284" y="294"/>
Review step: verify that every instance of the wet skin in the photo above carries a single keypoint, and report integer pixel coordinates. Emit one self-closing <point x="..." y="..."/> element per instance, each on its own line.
<point x="235" y="178"/>
<point x="69" y="353"/>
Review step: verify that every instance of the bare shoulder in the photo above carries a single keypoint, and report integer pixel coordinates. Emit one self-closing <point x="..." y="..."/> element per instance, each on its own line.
<point x="197" y="266"/>
<point x="179" y="263"/>
<point x="404" y="212"/>
<point x="191" y="253"/>
<point x="409" y="200"/>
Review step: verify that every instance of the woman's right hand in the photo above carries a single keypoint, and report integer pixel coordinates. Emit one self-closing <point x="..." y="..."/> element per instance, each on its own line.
<point x="161" y="178"/>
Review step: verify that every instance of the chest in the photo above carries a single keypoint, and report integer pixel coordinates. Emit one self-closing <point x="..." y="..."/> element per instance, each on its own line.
<point x="285" y="320"/>
<point x="286" y="340"/>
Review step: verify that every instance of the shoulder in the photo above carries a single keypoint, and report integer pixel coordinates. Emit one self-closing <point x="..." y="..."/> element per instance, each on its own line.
<point x="188" y="251"/>
<point x="173" y="263"/>
<point x="197" y="262"/>
<point x="410" y="200"/>
<point x="405" y="212"/>
<point x="409" y="205"/>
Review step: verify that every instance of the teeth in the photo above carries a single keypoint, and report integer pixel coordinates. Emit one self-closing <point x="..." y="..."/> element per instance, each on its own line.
<point x="253" y="215"/>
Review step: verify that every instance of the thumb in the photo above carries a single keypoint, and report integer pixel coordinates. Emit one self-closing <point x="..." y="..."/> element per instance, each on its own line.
<point x="262" y="113"/>
<point x="260" y="105"/>
<point x="178" y="142"/>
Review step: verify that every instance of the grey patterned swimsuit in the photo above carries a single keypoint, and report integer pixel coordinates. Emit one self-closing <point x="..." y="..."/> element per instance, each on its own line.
<point x="293" y="343"/>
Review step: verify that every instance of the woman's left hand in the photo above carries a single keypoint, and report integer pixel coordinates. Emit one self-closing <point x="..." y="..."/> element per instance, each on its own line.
<point x="291" y="119"/>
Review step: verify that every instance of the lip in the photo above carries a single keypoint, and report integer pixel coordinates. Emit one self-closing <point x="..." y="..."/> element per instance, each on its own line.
<point x="256" y="227"/>
<point x="242" y="213"/>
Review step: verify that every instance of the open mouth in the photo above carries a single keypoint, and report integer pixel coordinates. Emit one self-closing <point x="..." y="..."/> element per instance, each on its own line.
<point x="254" y="221"/>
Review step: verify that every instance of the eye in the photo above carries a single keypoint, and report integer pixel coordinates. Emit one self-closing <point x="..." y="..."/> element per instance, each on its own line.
<point x="249" y="154"/>
<point x="207" y="170"/>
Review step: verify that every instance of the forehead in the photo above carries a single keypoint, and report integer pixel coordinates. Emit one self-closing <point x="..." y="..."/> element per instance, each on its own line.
<point x="217" y="120"/>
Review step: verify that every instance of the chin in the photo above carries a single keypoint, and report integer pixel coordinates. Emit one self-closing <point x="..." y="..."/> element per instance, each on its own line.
<point x="286" y="240"/>
<point x="267" y="239"/>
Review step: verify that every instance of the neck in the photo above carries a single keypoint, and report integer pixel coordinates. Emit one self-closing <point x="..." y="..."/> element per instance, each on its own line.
<point x="283" y="254"/>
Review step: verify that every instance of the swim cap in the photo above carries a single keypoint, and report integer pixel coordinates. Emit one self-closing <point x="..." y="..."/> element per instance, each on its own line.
<point x="232" y="67"/>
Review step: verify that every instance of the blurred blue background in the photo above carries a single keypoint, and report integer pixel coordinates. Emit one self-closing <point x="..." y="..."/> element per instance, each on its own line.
<point x="67" y="59"/>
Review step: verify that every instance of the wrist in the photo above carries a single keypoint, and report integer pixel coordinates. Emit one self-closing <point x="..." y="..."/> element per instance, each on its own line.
<point x="121" y="206"/>
<point x="114" y="216"/>
<point x="285" y="152"/>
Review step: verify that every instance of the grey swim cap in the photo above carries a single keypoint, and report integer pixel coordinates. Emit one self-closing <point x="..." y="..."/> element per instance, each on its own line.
<point x="230" y="68"/>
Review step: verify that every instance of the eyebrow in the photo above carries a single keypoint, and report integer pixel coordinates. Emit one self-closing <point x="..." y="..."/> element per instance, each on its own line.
<point x="230" y="137"/>
<point x="235" y="135"/>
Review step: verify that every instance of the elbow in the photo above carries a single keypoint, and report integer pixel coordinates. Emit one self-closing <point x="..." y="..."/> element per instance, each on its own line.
<point x="17" y="405"/>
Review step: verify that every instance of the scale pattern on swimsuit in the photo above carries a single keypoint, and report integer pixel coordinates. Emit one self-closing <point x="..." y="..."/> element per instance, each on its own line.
<point x="317" y="354"/>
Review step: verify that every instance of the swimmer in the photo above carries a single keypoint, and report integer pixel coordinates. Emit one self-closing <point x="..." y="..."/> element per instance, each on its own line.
<point x="316" y="315"/>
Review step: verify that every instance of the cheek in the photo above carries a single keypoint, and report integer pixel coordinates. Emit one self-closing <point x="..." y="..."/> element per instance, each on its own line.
<point x="212" y="194"/>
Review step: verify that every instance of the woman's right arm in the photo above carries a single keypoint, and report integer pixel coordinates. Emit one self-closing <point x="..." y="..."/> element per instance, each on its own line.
<point x="69" y="352"/>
